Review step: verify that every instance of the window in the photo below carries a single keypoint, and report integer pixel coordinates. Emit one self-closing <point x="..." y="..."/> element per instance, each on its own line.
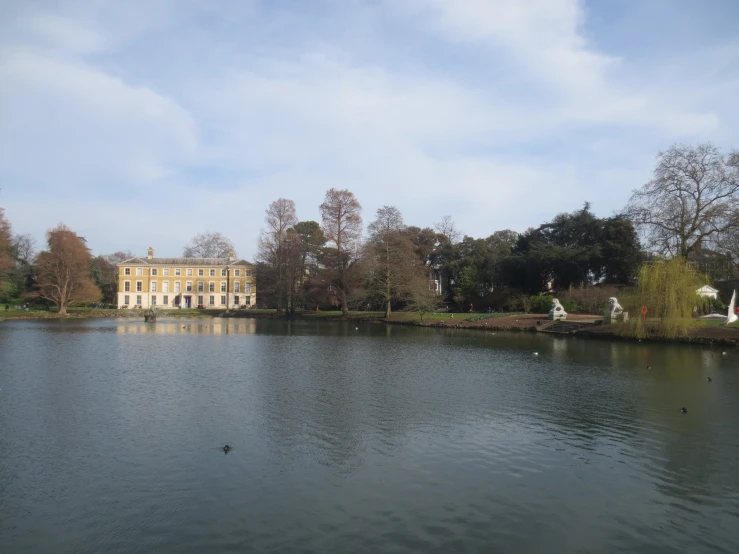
<point x="201" y="286"/>
<point x="127" y="286"/>
<point x="126" y="300"/>
<point x="188" y="286"/>
<point x="153" y="300"/>
<point x="127" y="271"/>
<point x="188" y="271"/>
<point x="165" y="272"/>
<point x="153" y="286"/>
<point x="176" y="300"/>
<point x="165" y="300"/>
<point x="247" y="301"/>
<point x="165" y="286"/>
<point x="200" y="301"/>
<point x="249" y="272"/>
<point x="139" y="287"/>
<point x="223" y="286"/>
<point x="236" y="300"/>
<point x="138" y="300"/>
<point x="224" y="272"/>
<point x="177" y="272"/>
<point x="211" y="287"/>
<point x="139" y="271"/>
<point x="201" y="272"/>
<point x="247" y="288"/>
<point x="212" y="300"/>
<point x="177" y="286"/>
<point x="237" y="272"/>
<point x="212" y="272"/>
<point x="223" y="300"/>
<point x="237" y="286"/>
<point x="153" y="270"/>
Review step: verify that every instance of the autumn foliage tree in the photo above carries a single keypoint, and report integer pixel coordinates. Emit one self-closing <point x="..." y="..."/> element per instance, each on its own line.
<point x="62" y="271"/>
<point x="342" y="226"/>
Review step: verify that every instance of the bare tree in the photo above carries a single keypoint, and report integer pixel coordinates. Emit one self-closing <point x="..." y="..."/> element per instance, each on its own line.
<point x="63" y="272"/>
<point x="691" y="203"/>
<point x="447" y="228"/>
<point x="272" y="251"/>
<point x="342" y="225"/>
<point x="391" y="258"/>
<point x="118" y="257"/>
<point x="208" y="245"/>
<point x="422" y="298"/>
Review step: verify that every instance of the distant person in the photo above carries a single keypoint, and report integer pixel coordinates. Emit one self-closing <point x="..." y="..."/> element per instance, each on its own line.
<point x="7" y="307"/>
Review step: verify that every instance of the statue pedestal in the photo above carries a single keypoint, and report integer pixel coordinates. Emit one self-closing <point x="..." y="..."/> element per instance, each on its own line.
<point x="150" y="318"/>
<point x="609" y="317"/>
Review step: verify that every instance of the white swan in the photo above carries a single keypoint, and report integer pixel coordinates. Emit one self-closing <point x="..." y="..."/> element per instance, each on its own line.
<point x="731" y="316"/>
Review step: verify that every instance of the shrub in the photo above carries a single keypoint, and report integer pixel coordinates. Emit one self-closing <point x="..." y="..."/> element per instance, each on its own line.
<point x="541" y="303"/>
<point x="590" y="300"/>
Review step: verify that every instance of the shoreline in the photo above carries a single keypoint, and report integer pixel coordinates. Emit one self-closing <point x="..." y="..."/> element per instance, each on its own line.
<point x="705" y="336"/>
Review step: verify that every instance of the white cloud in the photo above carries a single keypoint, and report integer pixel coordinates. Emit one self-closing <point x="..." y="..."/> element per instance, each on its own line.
<point x="157" y="115"/>
<point x="69" y="122"/>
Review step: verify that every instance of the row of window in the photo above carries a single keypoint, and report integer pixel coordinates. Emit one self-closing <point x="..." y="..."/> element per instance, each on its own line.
<point x="201" y="300"/>
<point x="188" y="286"/>
<point x="188" y="272"/>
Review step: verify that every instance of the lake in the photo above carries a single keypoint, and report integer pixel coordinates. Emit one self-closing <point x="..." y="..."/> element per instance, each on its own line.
<point x="376" y="439"/>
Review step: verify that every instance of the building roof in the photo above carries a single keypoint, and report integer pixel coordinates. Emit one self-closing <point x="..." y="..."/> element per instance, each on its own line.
<point x="706" y="288"/>
<point x="184" y="261"/>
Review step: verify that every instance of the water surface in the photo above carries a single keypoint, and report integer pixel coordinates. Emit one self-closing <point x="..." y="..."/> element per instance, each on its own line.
<point x="381" y="439"/>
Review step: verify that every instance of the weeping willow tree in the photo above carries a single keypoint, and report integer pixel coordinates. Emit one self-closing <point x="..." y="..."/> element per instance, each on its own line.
<point x="667" y="289"/>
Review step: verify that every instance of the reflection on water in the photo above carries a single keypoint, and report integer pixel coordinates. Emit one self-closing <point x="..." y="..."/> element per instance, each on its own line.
<point x="178" y="327"/>
<point x="381" y="439"/>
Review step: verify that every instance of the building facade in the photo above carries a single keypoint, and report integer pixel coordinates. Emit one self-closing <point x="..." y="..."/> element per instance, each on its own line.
<point x="172" y="283"/>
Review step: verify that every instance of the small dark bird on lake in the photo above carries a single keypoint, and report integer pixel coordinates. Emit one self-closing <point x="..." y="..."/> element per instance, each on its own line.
<point x="649" y="367"/>
<point x="227" y="449"/>
<point x="709" y="379"/>
<point x="684" y="410"/>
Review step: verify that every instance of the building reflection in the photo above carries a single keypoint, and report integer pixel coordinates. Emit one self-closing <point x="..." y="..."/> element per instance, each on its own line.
<point x="188" y="327"/>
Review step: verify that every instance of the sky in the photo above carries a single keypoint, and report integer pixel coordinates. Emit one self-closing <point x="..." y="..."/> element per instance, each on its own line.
<point x="145" y="122"/>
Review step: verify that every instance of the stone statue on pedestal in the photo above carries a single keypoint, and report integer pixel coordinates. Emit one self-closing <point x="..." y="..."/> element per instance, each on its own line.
<point x="614" y="312"/>
<point x="557" y="312"/>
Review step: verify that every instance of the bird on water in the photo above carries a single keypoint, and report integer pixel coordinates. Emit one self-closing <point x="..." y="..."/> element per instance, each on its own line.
<point x="709" y="379"/>
<point x="227" y="449"/>
<point x="684" y="410"/>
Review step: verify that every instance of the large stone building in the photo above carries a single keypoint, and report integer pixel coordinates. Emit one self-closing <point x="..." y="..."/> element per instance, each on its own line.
<point x="186" y="283"/>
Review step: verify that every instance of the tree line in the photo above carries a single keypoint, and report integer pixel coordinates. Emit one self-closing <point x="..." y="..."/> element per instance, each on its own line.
<point x="689" y="209"/>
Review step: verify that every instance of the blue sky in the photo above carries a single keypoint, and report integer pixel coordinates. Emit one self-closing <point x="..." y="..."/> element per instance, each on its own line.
<point x="143" y="123"/>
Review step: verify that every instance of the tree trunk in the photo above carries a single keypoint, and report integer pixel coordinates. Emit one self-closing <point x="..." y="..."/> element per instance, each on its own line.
<point x="62" y="308"/>
<point x="387" y="309"/>
<point x="344" y="305"/>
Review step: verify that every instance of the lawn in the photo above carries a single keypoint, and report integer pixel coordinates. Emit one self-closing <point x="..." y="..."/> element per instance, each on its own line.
<point x="717" y="323"/>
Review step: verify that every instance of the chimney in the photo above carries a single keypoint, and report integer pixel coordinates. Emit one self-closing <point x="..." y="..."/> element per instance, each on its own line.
<point x="230" y="255"/>
<point x="150" y="253"/>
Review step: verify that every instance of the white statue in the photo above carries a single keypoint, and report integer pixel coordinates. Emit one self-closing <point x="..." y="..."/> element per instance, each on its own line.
<point x="557" y="312"/>
<point x="731" y="315"/>
<point x="614" y="312"/>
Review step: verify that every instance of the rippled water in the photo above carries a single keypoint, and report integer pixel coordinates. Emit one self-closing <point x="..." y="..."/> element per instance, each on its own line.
<point x="381" y="439"/>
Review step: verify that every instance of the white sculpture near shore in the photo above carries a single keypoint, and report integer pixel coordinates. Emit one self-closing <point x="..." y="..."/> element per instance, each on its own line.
<point x="614" y="312"/>
<point x="731" y="316"/>
<point x="557" y="312"/>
